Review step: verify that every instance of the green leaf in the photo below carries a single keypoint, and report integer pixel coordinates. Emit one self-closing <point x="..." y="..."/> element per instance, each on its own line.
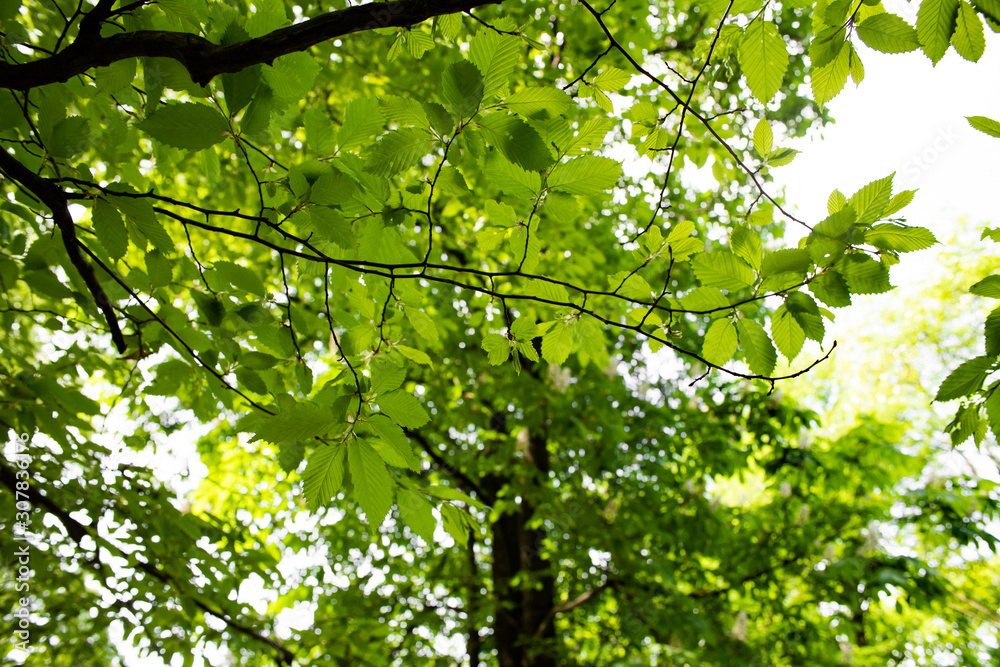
<point x="403" y="408"/>
<point x="319" y="132"/>
<point x="795" y="260"/>
<point x="450" y="493"/>
<point x="870" y="201"/>
<point x="110" y="229"/>
<point x="424" y="325"/>
<point x="495" y="56"/>
<point x="403" y="111"/>
<point x="362" y="121"/>
<point x="757" y="347"/>
<point x="455" y="523"/>
<point x="788" y="333"/>
<point x="864" y="275"/>
<point x="780" y="157"/>
<point x="462" y="89"/>
<point x="324" y="475"/>
<point x="116" y="76"/>
<point x="984" y="124"/>
<point x="258" y="361"/>
<point x="291" y="76"/>
<point x="538" y="102"/>
<point x="372" y="483"/>
<point x="901" y="239"/>
<point x="139" y="212"/>
<point x="704" y="299"/>
<point x="188" y="125"/>
<point x="589" y="137"/>
<point x="888" y="33"/>
<point x="290" y="456"/>
<point x="587" y="175"/>
<point x="969" y="38"/>
<point x="898" y="202"/>
<point x="611" y="80"/>
<point x="395" y="438"/>
<point x="332" y="226"/>
<point x="720" y="342"/>
<point x="300" y="421"/>
<point x="936" y="20"/>
<point x="831" y="289"/>
<point x="988" y="287"/>
<point x="836" y="202"/>
<point x="417" y="512"/>
<point x="764" y="59"/>
<point x="509" y="177"/>
<point x="70" y="136"/>
<point x="827" y="81"/>
<point x="763" y="139"/>
<point x="557" y="343"/>
<point x="967" y="379"/>
<point x="723" y="270"/>
<point x="398" y="150"/>
<point x="993" y="333"/>
<point x="240" y="277"/>
<point x="518" y="141"/>
<point x="827" y="45"/>
<point x="158" y="268"/>
<point x="746" y="243"/>
<point x="386" y="376"/>
<point x="497" y="347"/>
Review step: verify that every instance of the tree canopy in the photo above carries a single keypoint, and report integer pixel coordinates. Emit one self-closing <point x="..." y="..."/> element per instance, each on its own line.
<point x="472" y="312"/>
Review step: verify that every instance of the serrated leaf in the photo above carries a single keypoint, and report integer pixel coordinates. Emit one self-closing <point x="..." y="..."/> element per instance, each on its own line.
<point x="139" y="211"/>
<point x="763" y="138"/>
<point x="495" y="56"/>
<point x="455" y="523"/>
<point x="509" y="177"/>
<point x="424" y="325"/>
<point x="993" y="333"/>
<point x="362" y="121"/>
<point x="587" y="175"/>
<point x="746" y="243"/>
<point x="497" y="347"/>
<point x="864" y="275"/>
<point x="589" y="137"/>
<point x="539" y="102"/>
<point x="115" y="76"/>
<point x="398" y="150"/>
<point x="827" y="45"/>
<point x="796" y="260"/>
<point x="827" y="81"/>
<point x="557" y="343"/>
<point x="291" y="76"/>
<point x="984" y="124"/>
<point x="158" y="268"/>
<point x="787" y="332"/>
<point x="988" y="287"/>
<point x="320" y="132"/>
<point x="403" y="408"/>
<point x="290" y="456"/>
<point x="462" y="88"/>
<point x="898" y="202"/>
<point x="836" y="202"/>
<point x="781" y="157"/>
<point x="414" y="355"/>
<point x="187" y="125"/>
<point x="403" y="111"/>
<point x="298" y="422"/>
<point x="332" y="226"/>
<point x="757" y="347"/>
<point x="386" y="376"/>
<point x="936" y="21"/>
<point x="967" y="379"/>
<point x="720" y="342"/>
<point x="110" y="229"/>
<point x="900" y="239"/>
<point x="723" y="270"/>
<point x="611" y="80"/>
<point x="888" y="33"/>
<point x="518" y="141"/>
<point x="704" y="299"/>
<point x="831" y="289"/>
<point x="324" y="474"/>
<point x="764" y="59"/>
<point x="372" y="483"/>
<point x="417" y="512"/>
<point x="394" y="437"/>
<point x="870" y="201"/>
<point x="240" y="277"/>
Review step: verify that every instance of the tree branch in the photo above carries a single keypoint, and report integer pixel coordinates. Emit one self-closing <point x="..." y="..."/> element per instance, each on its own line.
<point x="204" y="59"/>
<point x="53" y="196"/>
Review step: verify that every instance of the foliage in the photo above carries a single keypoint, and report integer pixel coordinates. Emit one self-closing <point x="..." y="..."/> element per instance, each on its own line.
<point x="389" y="255"/>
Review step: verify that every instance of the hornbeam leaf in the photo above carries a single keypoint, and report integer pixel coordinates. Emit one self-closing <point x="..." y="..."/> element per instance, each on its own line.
<point x="610" y="80"/>
<point x="324" y="474"/>
<point x="291" y="76"/>
<point x="870" y="201"/>
<point x="723" y="270"/>
<point x="787" y="332"/>
<point x="587" y="175"/>
<point x="462" y="89"/>
<point x="188" y="125"/>
<point x="827" y="81"/>
<point x="984" y="124"/>
<point x="764" y="59"/>
<point x="362" y="121"/>
<point x="993" y="333"/>
<point x="888" y="33"/>
<point x="495" y="56"/>
<point x="372" y="483"/>
<point x="300" y="421"/>
<point x="898" y="202"/>
<point x="110" y="228"/>
<point x="539" y="102"/>
<point x="414" y="508"/>
<point x="900" y="239"/>
<point x="967" y="379"/>
<point x="757" y="347"/>
<point x="403" y="408"/>
<point x="969" y="38"/>
<point x="988" y="287"/>
<point x="720" y="342"/>
<point x="936" y="20"/>
<point x="398" y="150"/>
<point x="763" y="139"/>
